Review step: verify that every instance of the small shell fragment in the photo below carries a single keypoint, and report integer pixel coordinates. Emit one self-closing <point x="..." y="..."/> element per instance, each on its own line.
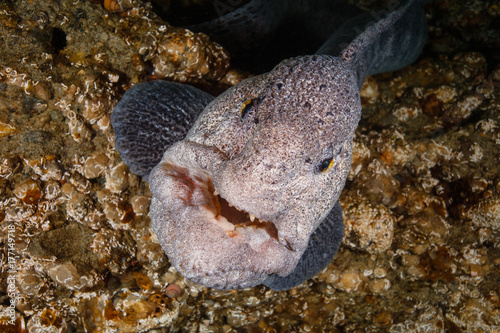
<point x="112" y="5"/>
<point x="173" y="291"/>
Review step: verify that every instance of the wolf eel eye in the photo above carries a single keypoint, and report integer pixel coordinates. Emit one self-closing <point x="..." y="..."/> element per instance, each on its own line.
<point x="325" y="165"/>
<point x="246" y="106"/>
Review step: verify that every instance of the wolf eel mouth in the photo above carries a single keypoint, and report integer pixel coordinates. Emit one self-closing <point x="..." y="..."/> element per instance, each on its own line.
<point x="233" y="221"/>
<point x="241" y="219"/>
<point x="207" y="238"/>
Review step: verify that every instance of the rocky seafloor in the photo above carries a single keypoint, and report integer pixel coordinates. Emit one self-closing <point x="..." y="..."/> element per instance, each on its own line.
<point x="421" y="205"/>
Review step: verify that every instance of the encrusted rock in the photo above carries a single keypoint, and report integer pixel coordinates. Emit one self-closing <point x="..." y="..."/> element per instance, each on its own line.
<point x="48" y="320"/>
<point x="150" y="254"/>
<point x="368" y="227"/>
<point x="114" y="248"/>
<point x="67" y="275"/>
<point x="485" y="213"/>
<point x="28" y="191"/>
<point x="79" y="206"/>
<point x="140" y="204"/>
<point x="9" y="165"/>
<point x="369" y="90"/>
<point x="95" y="165"/>
<point x="117" y="179"/>
<point x="184" y="55"/>
<point x="351" y="281"/>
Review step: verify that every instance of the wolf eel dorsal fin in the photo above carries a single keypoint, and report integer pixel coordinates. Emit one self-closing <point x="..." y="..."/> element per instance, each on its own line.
<point x="390" y="39"/>
<point x="152" y="116"/>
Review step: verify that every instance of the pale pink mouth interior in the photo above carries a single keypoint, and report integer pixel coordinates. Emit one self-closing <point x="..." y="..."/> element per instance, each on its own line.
<point x="237" y="223"/>
<point x="242" y="219"/>
<point x="234" y="222"/>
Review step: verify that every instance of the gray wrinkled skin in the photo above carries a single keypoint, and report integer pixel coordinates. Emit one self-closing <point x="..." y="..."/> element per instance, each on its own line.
<point x="276" y="148"/>
<point x="265" y="165"/>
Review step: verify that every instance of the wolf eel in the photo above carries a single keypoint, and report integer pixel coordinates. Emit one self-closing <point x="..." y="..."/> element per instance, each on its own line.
<point x="245" y="186"/>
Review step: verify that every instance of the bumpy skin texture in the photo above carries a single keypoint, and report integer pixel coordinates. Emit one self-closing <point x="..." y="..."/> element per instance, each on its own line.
<point x="277" y="148"/>
<point x="265" y="164"/>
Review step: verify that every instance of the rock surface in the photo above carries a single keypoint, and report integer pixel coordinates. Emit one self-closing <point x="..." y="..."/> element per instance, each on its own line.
<point x="422" y="203"/>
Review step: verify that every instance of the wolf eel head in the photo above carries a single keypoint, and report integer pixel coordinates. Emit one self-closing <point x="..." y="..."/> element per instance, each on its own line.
<point x="239" y="197"/>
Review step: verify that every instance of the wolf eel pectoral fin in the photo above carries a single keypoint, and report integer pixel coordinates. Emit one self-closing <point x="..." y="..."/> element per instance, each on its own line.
<point x="152" y="116"/>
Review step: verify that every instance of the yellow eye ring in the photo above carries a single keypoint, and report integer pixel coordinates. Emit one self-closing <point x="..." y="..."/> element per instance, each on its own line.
<point x="245" y="107"/>
<point x="325" y="165"/>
